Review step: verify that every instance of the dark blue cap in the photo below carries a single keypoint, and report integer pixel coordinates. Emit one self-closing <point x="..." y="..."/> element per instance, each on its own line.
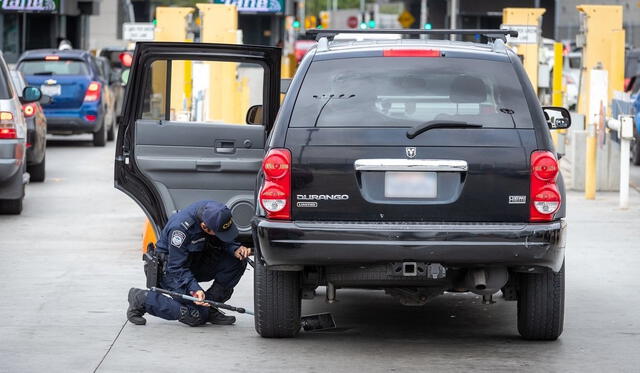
<point x="217" y="217"/>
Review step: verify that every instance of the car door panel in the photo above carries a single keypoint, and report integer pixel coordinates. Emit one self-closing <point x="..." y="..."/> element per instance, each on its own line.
<point x="166" y="164"/>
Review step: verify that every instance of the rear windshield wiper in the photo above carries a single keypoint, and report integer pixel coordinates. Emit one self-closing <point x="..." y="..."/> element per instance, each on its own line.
<point x="44" y="73"/>
<point x="415" y="131"/>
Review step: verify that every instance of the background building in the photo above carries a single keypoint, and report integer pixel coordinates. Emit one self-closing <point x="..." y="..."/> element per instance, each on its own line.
<point x="33" y="24"/>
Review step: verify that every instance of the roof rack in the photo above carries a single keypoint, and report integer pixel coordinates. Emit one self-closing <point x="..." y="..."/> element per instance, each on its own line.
<point x="489" y="33"/>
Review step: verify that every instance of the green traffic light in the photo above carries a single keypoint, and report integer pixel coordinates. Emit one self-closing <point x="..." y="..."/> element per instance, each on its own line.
<point x="372" y="24"/>
<point x="155" y="22"/>
<point x="296" y="24"/>
<point x="319" y="27"/>
<point x="363" y="25"/>
<point x="427" y="26"/>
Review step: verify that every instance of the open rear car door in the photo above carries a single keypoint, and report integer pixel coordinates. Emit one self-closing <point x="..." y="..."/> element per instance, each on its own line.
<point x="184" y="135"/>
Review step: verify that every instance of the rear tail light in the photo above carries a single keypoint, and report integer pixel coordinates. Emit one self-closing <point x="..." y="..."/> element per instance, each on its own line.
<point x="93" y="92"/>
<point x="275" y="194"/>
<point x="91" y="117"/>
<point x="7" y="126"/>
<point x="545" y="196"/>
<point x="29" y="110"/>
<point x="411" y="53"/>
<point x="52" y="58"/>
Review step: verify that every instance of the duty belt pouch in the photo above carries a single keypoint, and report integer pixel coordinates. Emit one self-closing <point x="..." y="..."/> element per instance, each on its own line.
<point x="152" y="267"/>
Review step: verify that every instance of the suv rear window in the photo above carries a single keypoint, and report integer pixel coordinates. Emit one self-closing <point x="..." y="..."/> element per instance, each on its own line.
<point x="406" y="91"/>
<point x="59" y="67"/>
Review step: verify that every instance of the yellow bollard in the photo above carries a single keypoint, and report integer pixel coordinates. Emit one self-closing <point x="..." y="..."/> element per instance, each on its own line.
<point x="557" y="93"/>
<point x="529" y="51"/>
<point x="172" y="26"/>
<point x="604" y="48"/>
<point x="220" y="25"/>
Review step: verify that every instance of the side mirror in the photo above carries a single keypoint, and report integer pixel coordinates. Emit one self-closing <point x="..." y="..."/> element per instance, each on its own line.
<point x="124" y="76"/>
<point x="31" y="94"/>
<point x="284" y="85"/>
<point x="557" y="117"/>
<point x="254" y="115"/>
<point x="46" y="100"/>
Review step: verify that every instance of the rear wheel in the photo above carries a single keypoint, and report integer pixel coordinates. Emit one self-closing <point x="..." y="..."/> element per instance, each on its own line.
<point x="100" y="137"/>
<point x="541" y="305"/>
<point x="37" y="171"/>
<point x="277" y="302"/>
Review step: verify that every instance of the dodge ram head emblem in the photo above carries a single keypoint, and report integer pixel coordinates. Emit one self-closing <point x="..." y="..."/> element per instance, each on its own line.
<point x="411" y="152"/>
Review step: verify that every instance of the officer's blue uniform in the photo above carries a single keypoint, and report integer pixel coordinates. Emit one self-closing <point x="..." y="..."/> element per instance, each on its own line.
<point x="193" y="256"/>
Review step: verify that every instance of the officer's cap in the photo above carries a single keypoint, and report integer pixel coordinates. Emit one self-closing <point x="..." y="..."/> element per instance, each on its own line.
<point x="217" y="217"/>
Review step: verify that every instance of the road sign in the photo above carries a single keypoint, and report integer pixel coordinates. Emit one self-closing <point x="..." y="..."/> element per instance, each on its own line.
<point x="527" y="34"/>
<point x="138" y="31"/>
<point x="406" y="19"/>
<point x="352" y="22"/>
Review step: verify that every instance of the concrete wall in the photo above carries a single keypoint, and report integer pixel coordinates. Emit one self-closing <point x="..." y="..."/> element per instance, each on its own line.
<point x="103" y="28"/>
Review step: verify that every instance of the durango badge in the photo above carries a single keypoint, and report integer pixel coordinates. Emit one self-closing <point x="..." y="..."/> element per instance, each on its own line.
<point x="177" y="238"/>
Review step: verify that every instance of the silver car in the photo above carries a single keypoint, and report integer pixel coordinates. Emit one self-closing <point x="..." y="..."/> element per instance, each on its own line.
<point x="13" y="138"/>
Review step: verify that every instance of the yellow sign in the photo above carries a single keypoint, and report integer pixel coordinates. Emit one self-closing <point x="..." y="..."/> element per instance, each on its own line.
<point x="406" y="19"/>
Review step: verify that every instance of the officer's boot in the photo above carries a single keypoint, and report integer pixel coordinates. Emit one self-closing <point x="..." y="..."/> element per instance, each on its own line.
<point x="136" y="309"/>
<point x="217" y="317"/>
<point x="219" y="294"/>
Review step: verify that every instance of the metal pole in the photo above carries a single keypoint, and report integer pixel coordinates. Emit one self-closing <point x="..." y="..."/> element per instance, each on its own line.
<point x="624" y="172"/>
<point x="423" y="13"/>
<point x="453" y="16"/>
<point x="362" y="15"/>
<point x="335" y="5"/>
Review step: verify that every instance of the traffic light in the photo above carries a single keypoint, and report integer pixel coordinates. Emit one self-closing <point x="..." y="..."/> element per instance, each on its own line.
<point x="372" y="20"/>
<point x="363" y="25"/>
<point x="296" y="24"/>
<point x="427" y="26"/>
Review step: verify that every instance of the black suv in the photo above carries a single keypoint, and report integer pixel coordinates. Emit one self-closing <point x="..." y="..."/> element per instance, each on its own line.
<point x="414" y="166"/>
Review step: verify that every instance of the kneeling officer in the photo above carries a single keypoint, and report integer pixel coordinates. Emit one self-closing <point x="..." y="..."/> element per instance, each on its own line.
<point x="199" y="245"/>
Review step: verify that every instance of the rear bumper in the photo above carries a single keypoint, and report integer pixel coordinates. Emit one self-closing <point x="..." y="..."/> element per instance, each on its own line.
<point x="450" y="244"/>
<point x="73" y="121"/>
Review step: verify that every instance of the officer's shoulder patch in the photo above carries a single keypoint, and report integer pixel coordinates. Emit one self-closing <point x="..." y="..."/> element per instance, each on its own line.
<point x="177" y="238"/>
<point x="187" y="223"/>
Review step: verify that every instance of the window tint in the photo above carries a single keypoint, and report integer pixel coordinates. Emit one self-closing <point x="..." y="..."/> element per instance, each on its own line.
<point x="60" y="67"/>
<point x="575" y="62"/>
<point x="406" y="91"/>
<point x="202" y="91"/>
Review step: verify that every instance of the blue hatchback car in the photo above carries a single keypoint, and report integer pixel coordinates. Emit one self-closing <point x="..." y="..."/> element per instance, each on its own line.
<point x="81" y="100"/>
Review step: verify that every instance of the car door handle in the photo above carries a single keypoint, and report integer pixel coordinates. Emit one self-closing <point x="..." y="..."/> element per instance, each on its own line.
<point x="225" y="150"/>
<point x="228" y="165"/>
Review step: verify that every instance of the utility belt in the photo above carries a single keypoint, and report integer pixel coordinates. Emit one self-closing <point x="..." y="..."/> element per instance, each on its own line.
<point x="154" y="266"/>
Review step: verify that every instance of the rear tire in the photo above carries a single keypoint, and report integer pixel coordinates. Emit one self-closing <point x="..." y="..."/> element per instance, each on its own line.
<point x="100" y="137"/>
<point x="541" y="305"/>
<point x="277" y="302"/>
<point x="37" y="171"/>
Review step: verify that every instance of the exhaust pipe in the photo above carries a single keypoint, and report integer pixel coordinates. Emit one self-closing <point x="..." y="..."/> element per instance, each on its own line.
<point x="479" y="279"/>
<point x="485" y="281"/>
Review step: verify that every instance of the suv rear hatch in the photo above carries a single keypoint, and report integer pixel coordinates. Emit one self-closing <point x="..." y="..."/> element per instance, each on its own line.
<point x="352" y="159"/>
<point x="64" y="79"/>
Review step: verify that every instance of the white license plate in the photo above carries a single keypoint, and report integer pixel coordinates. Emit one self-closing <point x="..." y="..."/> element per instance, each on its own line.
<point x="410" y="184"/>
<point x="51" y="90"/>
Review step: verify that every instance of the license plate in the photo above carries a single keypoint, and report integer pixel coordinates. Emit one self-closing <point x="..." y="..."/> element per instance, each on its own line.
<point x="410" y="184"/>
<point x="51" y="90"/>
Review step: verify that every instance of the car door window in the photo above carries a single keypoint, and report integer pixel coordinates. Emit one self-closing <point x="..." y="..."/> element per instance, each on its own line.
<point x="195" y="91"/>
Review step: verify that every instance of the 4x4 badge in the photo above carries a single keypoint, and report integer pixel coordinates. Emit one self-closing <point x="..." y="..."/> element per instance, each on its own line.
<point x="411" y="151"/>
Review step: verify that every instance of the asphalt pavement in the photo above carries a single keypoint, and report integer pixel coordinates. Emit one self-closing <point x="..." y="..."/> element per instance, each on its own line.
<point x="67" y="263"/>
